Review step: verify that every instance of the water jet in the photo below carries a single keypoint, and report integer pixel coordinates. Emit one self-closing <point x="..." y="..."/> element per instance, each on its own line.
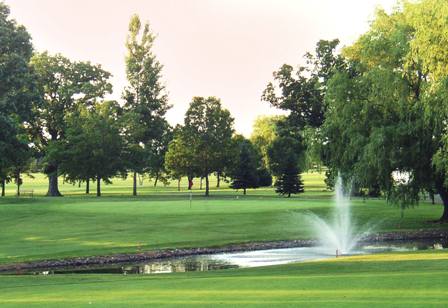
<point x="339" y="233"/>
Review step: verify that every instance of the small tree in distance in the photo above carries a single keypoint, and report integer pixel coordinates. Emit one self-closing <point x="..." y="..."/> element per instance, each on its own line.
<point x="245" y="172"/>
<point x="284" y="163"/>
<point x="179" y="158"/>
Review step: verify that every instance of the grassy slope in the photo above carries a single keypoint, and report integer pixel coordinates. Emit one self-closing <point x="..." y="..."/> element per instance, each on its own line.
<point x="44" y="228"/>
<point x="407" y="280"/>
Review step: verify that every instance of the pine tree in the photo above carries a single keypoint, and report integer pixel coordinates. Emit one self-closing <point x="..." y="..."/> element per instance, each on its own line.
<point x="290" y="181"/>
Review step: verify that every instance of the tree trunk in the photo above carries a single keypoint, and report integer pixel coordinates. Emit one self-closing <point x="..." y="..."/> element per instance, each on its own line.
<point x="190" y="182"/>
<point x="431" y="196"/>
<point x="134" y="185"/>
<point x="178" y="184"/>
<point x="98" y="186"/>
<point x="443" y="192"/>
<point x="244" y="190"/>
<point x="3" y="187"/>
<point x="53" y="189"/>
<point x="157" y="179"/>
<point x="88" y="186"/>
<point x="207" y="186"/>
<point x="289" y="195"/>
<point x="218" y="179"/>
<point x="18" y="183"/>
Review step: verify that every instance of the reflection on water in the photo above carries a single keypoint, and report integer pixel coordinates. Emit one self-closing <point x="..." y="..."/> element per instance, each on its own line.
<point x="174" y="265"/>
<point x="235" y="260"/>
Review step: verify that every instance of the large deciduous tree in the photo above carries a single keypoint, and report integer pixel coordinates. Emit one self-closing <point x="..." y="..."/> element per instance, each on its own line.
<point x="146" y="103"/>
<point x="386" y="118"/>
<point x="17" y="92"/>
<point x="64" y="85"/>
<point x="301" y="92"/>
<point x="208" y="130"/>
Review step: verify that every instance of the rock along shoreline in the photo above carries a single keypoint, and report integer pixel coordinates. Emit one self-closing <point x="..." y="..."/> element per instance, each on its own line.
<point x="185" y="252"/>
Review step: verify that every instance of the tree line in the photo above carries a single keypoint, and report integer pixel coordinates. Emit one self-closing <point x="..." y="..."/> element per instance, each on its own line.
<point x="55" y="118"/>
<point x="375" y="112"/>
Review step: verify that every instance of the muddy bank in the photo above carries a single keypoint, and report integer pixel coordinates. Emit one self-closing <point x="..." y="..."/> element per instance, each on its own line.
<point x="184" y="252"/>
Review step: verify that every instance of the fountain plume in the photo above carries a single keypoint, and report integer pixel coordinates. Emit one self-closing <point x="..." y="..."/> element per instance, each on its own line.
<point x="338" y="235"/>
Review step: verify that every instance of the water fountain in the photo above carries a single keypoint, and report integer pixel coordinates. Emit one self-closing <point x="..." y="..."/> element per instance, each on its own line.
<point x="338" y="235"/>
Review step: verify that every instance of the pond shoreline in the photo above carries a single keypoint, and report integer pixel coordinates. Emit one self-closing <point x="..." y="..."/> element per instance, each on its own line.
<point x="185" y="252"/>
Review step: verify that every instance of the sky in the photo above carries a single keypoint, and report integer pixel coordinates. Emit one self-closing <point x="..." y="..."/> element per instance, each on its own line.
<point x="223" y="48"/>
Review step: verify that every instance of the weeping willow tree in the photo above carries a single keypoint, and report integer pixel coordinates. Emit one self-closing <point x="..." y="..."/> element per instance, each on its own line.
<point x="387" y="108"/>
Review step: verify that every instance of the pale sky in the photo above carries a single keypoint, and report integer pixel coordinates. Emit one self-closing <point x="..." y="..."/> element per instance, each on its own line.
<point x="223" y="48"/>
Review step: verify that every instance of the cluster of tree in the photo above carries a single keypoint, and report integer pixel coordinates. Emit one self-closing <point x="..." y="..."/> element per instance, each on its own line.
<point x="376" y="112"/>
<point x="206" y="144"/>
<point x="52" y="110"/>
<point x="282" y="152"/>
<point x="293" y="145"/>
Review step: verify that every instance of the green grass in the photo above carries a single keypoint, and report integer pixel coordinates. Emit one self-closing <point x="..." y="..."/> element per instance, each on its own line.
<point x="404" y="280"/>
<point x="51" y="228"/>
<point x="77" y="225"/>
<point x="314" y="183"/>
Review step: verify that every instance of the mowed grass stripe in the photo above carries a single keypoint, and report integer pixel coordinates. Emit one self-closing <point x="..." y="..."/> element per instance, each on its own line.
<point x="405" y="282"/>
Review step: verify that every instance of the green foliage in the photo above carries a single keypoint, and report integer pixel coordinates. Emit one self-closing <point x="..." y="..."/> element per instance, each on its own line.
<point x="17" y="91"/>
<point x="281" y="150"/>
<point x="180" y="159"/>
<point x="381" y="115"/>
<point x="284" y="157"/>
<point x="264" y="177"/>
<point x="264" y="132"/>
<point x="146" y="102"/>
<point x="429" y="36"/>
<point x="289" y="181"/>
<point x="208" y="130"/>
<point x="244" y="172"/>
<point x="302" y="90"/>
<point x="64" y="87"/>
<point x="93" y="145"/>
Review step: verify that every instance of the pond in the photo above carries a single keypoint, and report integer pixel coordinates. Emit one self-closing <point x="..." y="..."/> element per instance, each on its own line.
<point x="222" y="261"/>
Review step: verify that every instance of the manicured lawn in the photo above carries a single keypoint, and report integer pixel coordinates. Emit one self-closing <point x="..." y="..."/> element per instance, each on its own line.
<point x="77" y="225"/>
<point x="49" y="228"/>
<point x="404" y="280"/>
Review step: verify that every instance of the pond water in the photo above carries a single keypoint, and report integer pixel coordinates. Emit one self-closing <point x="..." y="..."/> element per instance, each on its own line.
<point x="246" y="259"/>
